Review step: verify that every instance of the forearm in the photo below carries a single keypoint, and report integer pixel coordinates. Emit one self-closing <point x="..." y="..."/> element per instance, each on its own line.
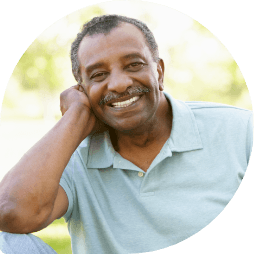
<point x="30" y="188"/>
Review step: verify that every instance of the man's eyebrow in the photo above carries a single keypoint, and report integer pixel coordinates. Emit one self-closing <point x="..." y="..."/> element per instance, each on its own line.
<point x="91" y="67"/>
<point x="133" y="55"/>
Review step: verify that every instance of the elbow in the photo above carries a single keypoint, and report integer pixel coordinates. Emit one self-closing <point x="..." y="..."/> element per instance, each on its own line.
<point x="8" y="217"/>
<point x="20" y="221"/>
<point x="8" y="223"/>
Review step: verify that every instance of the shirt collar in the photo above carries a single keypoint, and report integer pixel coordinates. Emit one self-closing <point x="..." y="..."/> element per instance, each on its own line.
<point x="184" y="137"/>
<point x="101" y="151"/>
<point x="184" y="134"/>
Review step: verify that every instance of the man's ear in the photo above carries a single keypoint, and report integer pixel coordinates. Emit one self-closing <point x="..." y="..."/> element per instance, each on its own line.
<point x="160" y="70"/>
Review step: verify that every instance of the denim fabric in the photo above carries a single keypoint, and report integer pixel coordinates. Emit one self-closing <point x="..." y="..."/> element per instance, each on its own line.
<point x="23" y="244"/>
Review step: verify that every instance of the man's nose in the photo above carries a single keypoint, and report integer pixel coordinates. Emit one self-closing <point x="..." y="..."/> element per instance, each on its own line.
<point x="119" y="82"/>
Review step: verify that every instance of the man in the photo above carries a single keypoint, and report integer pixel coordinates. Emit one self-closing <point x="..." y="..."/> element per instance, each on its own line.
<point x="130" y="168"/>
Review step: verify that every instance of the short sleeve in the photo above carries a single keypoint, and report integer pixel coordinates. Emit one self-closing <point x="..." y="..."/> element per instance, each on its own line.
<point x="249" y="138"/>
<point x="66" y="182"/>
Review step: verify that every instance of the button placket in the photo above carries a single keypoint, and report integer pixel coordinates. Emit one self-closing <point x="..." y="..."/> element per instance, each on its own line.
<point x="140" y="174"/>
<point x="146" y="188"/>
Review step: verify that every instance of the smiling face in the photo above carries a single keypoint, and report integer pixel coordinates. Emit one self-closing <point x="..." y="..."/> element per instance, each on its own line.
<point x="120" y="77"/>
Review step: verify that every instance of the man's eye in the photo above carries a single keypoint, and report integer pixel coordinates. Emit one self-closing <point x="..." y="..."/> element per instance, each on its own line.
<point x="136" y="66"/>
<point x="98" y="76"/>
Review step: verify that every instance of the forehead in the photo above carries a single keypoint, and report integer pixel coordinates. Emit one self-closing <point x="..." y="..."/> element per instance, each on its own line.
<point x="124" y="39"/>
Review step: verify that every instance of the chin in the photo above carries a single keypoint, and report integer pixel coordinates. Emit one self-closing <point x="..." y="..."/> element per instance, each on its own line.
<point x="127" y="126"/>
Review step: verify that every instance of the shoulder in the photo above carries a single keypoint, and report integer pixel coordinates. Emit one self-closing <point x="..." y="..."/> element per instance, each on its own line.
<point x="224" y="124"/>
<point x="209" y="111"/>
<point x="203" y="105"/>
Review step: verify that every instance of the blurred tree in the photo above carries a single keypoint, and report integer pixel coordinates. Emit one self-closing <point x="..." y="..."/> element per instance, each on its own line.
<point x="201" y="69"/>
<point x="45" y="67"/>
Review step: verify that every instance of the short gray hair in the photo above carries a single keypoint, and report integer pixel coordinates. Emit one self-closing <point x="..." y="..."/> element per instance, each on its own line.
<point x="104" y="24"/>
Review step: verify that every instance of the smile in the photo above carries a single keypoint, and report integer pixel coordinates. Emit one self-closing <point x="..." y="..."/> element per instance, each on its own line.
<point x="124" y="104"/>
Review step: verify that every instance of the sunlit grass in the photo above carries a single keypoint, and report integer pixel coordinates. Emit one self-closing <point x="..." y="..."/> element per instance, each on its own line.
<point x="56" y="235"/>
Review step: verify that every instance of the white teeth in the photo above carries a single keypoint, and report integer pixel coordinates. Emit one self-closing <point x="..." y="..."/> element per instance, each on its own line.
<point x="124" y="104"/>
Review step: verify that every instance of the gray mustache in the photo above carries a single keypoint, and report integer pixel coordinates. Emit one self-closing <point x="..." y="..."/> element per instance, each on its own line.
<point x="130" y="91"/>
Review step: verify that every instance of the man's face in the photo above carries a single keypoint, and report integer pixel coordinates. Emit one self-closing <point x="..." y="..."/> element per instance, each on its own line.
<point x="120" y="78"/>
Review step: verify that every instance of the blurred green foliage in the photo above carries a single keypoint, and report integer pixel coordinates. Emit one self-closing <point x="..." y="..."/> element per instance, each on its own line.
<point x="33" y="71"/>
<point x="61" y="244"/>
<point x="198" y="67"/>
<point x="201" y="69"/>
<point x="43" y="65"/>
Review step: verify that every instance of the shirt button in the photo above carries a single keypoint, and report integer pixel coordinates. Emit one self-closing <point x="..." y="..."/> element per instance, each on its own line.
<point x="140" y="174"/>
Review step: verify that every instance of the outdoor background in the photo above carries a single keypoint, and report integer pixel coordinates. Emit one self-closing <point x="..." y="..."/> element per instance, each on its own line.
<point x="198" y="67"/>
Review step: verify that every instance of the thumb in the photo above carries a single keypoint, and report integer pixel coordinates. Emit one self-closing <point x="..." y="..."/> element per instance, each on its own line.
<point x="80" y="88"/>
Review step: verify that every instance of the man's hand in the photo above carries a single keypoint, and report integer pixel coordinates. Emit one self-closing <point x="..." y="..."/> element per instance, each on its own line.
<point x="76" y="95"/>
<point x="71" y="96"/>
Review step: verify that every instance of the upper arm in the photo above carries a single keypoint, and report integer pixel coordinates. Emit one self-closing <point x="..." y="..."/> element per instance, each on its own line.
<point x="61" y="204"/>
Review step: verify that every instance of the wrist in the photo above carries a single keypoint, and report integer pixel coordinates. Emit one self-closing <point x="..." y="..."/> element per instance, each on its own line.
<point x="81" y="120"/>
<point x="80" y="107"/>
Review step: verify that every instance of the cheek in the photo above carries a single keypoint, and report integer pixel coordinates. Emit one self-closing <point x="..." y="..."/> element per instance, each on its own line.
<point x="149" y="81"/>
<point x="95" y="94"/>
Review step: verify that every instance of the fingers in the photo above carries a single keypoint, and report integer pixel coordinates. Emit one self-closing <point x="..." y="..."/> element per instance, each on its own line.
<point x="75" y="87"/>
<point x="62" y="109"/>
<point x="81" y="89"/>
<point x="78" y="87"/>
<point x="71" y="95"/>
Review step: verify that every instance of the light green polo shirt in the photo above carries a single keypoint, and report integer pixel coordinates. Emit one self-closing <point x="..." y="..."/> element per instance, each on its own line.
<point x="115" y="207"/>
